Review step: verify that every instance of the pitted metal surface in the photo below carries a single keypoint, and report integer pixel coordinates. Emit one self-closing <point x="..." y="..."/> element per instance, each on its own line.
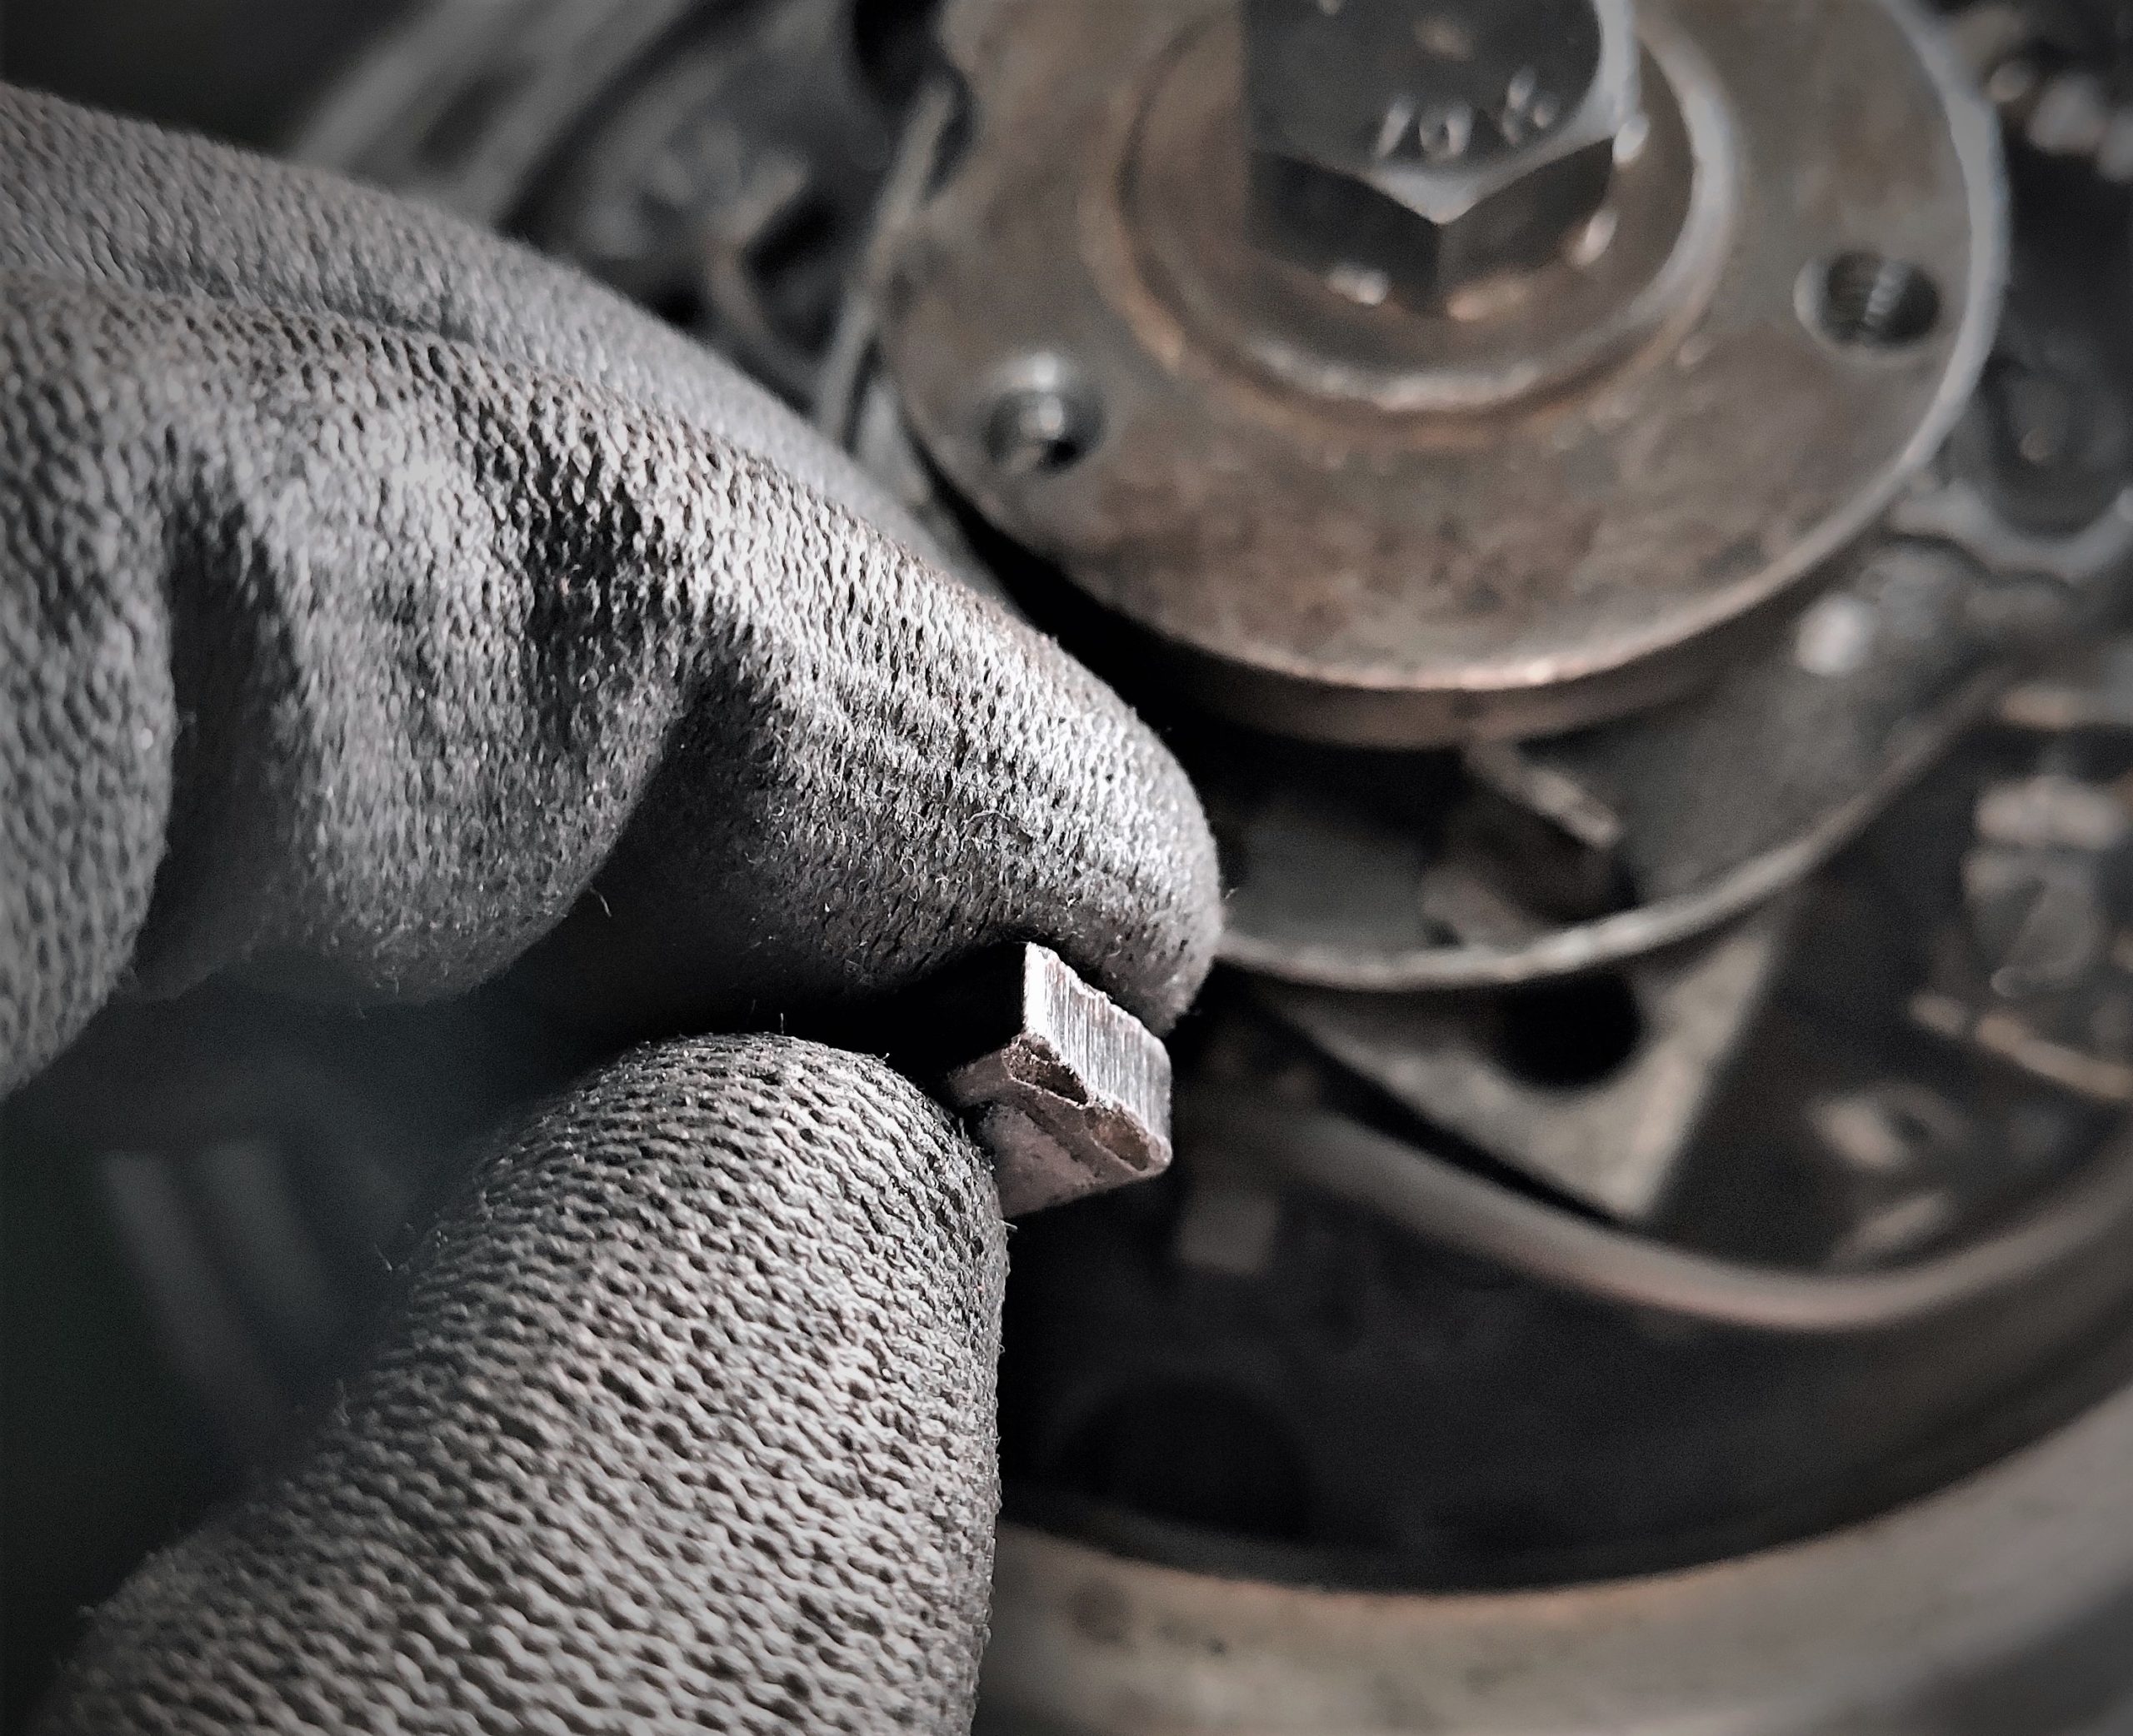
<point x="1333" y="561"/>
<point x="1997" y="1605"/>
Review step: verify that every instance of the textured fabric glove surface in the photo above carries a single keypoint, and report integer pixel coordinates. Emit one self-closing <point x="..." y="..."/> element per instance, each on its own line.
<point x="379" y="606"/>
<point x="374" y="590"/>
<point x="688" y="1422"/>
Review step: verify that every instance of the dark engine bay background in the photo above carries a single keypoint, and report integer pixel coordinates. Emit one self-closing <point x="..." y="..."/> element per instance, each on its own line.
<point x="1618" y="1141"/>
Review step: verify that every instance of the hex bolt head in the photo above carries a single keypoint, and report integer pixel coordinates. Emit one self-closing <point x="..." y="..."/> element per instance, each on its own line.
<point x="1409" y="146"/>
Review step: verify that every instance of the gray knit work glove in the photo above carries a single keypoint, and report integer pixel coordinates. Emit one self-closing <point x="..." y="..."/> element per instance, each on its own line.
<point x="379" y="606"/>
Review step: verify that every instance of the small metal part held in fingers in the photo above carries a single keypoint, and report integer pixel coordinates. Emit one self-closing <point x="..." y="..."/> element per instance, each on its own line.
<point x="1066" y="1091"/>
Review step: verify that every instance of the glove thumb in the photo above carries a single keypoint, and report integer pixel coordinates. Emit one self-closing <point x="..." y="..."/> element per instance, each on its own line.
<point x="686" y="1419"/>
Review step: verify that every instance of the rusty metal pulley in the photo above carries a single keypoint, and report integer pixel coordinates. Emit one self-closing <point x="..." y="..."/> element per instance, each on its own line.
<point x="1457" y="485"/>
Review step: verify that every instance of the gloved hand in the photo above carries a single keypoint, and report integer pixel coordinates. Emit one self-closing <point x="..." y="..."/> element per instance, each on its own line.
<point x="379" y="606"/>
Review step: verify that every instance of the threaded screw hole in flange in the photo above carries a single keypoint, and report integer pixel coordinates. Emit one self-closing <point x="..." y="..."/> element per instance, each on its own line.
<point x="1865" y="300"/>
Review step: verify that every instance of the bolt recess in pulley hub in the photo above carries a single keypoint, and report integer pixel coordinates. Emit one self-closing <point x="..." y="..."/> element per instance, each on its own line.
<point x="1422" y="370"/>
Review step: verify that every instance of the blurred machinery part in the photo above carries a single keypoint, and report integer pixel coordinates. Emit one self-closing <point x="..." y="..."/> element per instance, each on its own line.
<point x="1999" y="1605"/>
<point x="1606" y="1120"/>
<point x="2058" y="72"/>
<point x="714" y="161"/>
<point x="1625" y="509"/>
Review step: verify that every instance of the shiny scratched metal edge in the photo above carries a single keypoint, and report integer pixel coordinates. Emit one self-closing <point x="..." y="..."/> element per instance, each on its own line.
<point x="1076" y="1102"/>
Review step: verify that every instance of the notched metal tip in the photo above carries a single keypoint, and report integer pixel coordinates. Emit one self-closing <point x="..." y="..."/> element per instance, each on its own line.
<point x="1071" y="1094"/>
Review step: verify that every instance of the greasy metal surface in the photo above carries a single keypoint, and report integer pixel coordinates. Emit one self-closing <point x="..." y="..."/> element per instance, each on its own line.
<point x="1413" y="146"/>
<point x="1074" y="1100"/>
<point x="1413" y="578"/>
<point x="1999" y="1605"/>
<point x="1718" y="799"/>
<point x="1612" y="1141"/>
<point x="1371" y="1397"/>
<point x="2035" y="976"/>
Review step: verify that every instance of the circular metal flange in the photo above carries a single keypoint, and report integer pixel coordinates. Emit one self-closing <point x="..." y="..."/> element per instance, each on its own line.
<point x="1553" y="500"/>
<point x="1998" y="1605"/>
